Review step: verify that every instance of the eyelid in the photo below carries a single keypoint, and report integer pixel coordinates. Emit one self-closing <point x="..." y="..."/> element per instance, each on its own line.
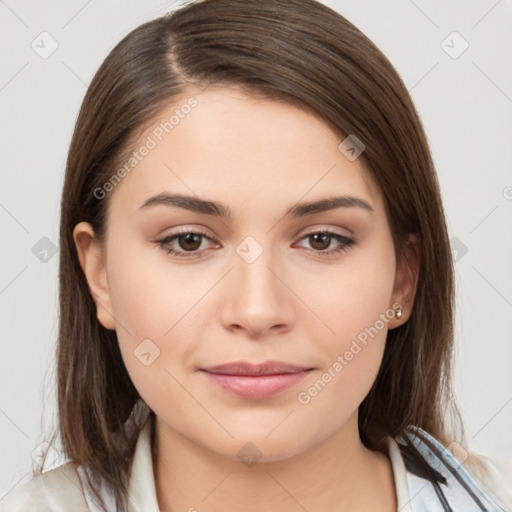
<point x="184" y="229"/>
<point x="325" y="228"/>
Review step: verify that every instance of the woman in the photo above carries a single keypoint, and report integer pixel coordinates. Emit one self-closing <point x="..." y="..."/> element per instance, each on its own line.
<point x="256" y="283"/>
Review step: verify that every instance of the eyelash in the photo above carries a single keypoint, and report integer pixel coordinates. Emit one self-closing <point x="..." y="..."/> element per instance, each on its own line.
<point x="346" y="243"/>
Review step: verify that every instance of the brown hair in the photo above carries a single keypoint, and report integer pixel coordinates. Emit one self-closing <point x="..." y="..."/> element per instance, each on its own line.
<point x="295" y="51"/>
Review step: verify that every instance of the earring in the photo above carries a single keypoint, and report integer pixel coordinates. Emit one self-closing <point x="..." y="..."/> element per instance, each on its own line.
<point x="399" y="312"/>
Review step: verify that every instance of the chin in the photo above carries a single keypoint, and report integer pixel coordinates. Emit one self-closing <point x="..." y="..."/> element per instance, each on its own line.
<point x="258" y="445"/>
<point x="263" y="451"/>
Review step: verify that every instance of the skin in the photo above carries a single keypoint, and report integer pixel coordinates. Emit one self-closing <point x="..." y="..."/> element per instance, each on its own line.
<point x="293" y="304"/>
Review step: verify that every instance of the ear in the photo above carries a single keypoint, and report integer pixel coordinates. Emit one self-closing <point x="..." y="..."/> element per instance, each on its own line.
<point x="91" y="261"/>
<point x="406" y="280"/>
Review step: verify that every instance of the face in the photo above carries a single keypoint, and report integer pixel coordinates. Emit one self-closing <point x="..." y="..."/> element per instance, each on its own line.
<point x="257" y="277"/>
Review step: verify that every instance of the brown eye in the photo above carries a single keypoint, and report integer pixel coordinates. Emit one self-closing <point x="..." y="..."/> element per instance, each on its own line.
<point x="186" y="244"/>
<point x="320" y="241"/>
<point x="190" y="241"/>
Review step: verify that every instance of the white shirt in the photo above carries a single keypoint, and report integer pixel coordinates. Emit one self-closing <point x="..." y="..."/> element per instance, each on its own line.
<point x="65" y="489"/>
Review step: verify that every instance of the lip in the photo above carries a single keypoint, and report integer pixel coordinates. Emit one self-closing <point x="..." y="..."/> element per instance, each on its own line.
<point x="257" y="381"/>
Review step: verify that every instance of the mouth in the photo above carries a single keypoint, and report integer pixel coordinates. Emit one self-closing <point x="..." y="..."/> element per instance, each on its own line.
<point x="256" y="381"/>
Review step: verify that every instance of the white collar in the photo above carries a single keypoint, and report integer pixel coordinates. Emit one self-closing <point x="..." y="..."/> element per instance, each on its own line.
<point x="141" y="488"/>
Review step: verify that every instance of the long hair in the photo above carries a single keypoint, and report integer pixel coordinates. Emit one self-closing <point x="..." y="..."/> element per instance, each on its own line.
<point x="295" y="51"/>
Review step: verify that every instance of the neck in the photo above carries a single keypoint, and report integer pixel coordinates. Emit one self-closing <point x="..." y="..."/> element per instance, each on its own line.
<point x="339" y="473"/>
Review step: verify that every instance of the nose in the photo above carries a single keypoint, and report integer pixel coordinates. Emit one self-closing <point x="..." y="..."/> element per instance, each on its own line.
<point x="257" y="300"/>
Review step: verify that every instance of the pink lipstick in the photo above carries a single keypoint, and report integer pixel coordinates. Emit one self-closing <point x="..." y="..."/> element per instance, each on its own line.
<point x="257" y="381"/>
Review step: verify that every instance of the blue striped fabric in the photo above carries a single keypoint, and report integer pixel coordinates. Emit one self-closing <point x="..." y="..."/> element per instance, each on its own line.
<point x="440" y="483"/>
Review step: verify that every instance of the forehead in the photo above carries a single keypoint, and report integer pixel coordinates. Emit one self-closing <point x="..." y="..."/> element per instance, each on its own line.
<point x="248" y="152"/>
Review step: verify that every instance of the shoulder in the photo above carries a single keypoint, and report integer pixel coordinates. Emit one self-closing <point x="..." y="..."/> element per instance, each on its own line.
<point x="56" y="490"/>
<point x="493" y="475"/>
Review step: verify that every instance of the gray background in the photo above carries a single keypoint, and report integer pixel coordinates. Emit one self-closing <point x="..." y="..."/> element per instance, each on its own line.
<point x="465" y="104"/>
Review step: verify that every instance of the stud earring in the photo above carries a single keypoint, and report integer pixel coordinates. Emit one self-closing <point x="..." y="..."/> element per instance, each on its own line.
<point x="399" y="312"/>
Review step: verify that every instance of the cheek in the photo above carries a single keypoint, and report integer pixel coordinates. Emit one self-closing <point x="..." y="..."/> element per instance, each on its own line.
<point x="351" y="358"/>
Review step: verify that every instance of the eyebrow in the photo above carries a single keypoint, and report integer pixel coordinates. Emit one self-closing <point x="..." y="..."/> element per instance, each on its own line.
<point x="203" y="206"/>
